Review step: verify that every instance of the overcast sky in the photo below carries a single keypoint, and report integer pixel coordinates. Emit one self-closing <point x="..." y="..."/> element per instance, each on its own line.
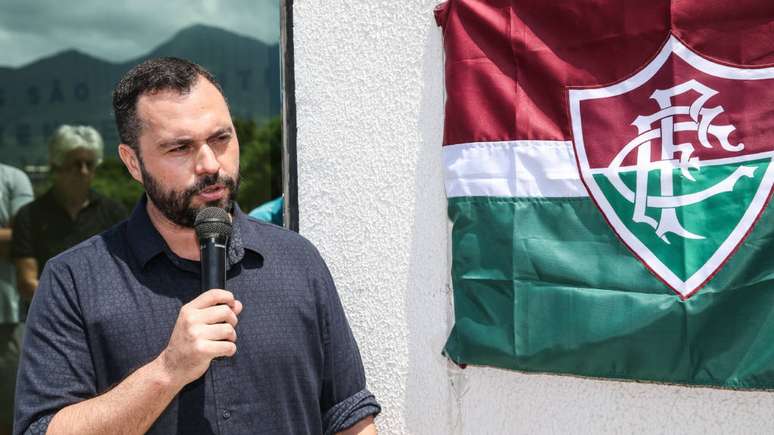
<point x="30" y="29"/>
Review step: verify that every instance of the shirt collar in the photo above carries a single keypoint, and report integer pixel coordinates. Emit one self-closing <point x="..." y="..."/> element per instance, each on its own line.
<point x="144" y="238"/>
<point x="146" y="242"/>
<point x="49" y="198"/>
<point x="242" y="235"/>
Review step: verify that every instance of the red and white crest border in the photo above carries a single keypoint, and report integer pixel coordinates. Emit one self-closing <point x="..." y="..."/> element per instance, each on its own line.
<point x="688" y="287"/>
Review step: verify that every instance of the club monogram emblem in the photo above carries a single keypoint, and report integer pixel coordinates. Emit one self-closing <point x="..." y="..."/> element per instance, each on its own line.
<point x="678" y="159"/>
<point x="662" y="125"/>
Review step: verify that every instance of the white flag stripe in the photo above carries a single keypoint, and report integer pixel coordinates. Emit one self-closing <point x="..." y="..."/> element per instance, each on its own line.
<point x="519" y="168"/>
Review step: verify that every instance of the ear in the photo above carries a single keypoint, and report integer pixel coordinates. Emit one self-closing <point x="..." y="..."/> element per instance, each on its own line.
<point x="131" y="161"/>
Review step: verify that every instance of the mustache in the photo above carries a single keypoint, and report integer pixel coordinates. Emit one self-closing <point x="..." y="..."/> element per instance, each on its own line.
<point x="210" y="180"/>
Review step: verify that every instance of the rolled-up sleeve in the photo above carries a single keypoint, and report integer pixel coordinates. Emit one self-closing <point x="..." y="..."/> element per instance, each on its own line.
<point x="345" y="399"/>
<point x="55" y="369"/>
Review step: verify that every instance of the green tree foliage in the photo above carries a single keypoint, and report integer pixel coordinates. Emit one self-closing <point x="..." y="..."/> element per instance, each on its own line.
<point x="260" y="166"/>
<point x="113" y="180"/>
<point x="260" y="162"/>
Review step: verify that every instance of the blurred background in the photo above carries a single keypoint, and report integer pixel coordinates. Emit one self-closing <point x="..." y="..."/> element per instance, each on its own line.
<point x="59" y="63"/>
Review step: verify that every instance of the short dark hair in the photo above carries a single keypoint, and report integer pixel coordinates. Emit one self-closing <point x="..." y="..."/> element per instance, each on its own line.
<point x="152" y="75"/>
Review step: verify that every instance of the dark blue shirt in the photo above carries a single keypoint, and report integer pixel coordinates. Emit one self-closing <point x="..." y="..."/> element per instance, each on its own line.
<point x="44" y="228"/>
<point x="108" y="306"/>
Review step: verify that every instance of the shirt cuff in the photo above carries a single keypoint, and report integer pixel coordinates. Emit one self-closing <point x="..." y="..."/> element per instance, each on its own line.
<point x="351" y="410"/>
<point x="40" y="426"/>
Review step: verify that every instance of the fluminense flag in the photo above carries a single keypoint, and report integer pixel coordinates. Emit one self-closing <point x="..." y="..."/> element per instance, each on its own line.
<point x="608" y="173"/>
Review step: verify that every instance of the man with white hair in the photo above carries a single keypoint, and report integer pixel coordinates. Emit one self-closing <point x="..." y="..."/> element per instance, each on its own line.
<point x="69" y="212"/>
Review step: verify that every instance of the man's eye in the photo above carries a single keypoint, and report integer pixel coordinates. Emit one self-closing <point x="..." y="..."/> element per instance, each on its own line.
<point x="179" y="149"/>
<point x="224" y="138"/>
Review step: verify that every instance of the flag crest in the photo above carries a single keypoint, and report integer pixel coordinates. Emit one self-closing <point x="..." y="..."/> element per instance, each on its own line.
<point x="672" y="159"/>
<point x="608" y="166"/>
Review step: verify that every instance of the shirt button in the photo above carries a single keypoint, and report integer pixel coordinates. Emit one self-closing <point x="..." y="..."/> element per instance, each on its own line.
<point x="226" y="415"/>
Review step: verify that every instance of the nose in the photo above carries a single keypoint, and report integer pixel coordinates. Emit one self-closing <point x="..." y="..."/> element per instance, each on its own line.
<point x="206" y="161"/>
<point x="84" y="167"/>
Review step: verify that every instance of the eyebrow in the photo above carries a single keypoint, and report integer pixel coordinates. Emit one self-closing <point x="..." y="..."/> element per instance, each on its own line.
<point x="176" y="142"/>
<point x="221" y="131"/>
<point x="189" y="141"/>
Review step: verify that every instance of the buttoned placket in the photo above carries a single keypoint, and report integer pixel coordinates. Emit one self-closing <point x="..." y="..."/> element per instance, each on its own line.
<point x="219" y="372"/>
<point x="220" y="368"/>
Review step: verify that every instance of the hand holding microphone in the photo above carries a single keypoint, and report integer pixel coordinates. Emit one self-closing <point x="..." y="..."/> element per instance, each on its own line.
<point x="205" y="327"/>
<point x="204" y="330"/>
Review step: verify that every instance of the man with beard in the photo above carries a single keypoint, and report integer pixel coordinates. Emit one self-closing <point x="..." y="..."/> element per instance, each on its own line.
<point x="120" y="339"/>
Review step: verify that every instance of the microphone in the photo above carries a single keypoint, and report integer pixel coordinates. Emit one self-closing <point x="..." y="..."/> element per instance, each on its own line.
<point x="213" y="228"/>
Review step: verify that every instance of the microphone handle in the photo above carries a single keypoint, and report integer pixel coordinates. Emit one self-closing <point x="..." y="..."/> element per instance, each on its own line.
<point x="213" y="261"/>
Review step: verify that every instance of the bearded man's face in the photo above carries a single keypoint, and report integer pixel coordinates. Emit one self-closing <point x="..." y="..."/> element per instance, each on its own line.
<point x="178" y="205"/>
<point x="188" y="151"/>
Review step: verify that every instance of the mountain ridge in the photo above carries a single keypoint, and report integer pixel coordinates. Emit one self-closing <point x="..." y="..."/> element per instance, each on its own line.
<point x="184" y="32"/>
<point x="71" y="86"/>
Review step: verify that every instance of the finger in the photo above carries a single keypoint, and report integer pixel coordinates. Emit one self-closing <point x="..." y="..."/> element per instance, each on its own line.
<point x="217" y="314"/>
<point x="237" y="307"/>
<point x="213" y="297"/>
<point x="220" y="331"/>
<point x="214" y="349"/>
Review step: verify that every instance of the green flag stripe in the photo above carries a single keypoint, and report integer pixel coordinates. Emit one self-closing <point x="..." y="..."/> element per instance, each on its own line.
<point x="542" y="284"/>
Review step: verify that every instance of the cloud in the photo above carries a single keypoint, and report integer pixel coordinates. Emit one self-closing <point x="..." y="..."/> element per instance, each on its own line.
<point x="30" y="29"/>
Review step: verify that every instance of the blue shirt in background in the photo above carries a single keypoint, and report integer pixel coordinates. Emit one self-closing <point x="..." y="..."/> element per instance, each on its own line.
<point x="269" y="211"/>
<point x="15" y="191"/>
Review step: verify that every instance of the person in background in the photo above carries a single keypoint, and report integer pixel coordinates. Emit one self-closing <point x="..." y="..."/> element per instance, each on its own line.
<point x="15" y="191"/>
<point x="270" y="211"/>
<point x="69" y="212"/>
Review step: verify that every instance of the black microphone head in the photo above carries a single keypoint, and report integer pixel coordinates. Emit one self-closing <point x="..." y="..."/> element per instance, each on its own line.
<point x="212" y="222"/>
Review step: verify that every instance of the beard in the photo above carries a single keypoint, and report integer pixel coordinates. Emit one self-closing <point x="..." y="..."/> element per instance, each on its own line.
<point x="176" y="205"/>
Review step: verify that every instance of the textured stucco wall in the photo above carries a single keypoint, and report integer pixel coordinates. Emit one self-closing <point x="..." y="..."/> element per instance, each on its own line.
<point x="368" y="92"/>
<point x="370" y="98"/>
